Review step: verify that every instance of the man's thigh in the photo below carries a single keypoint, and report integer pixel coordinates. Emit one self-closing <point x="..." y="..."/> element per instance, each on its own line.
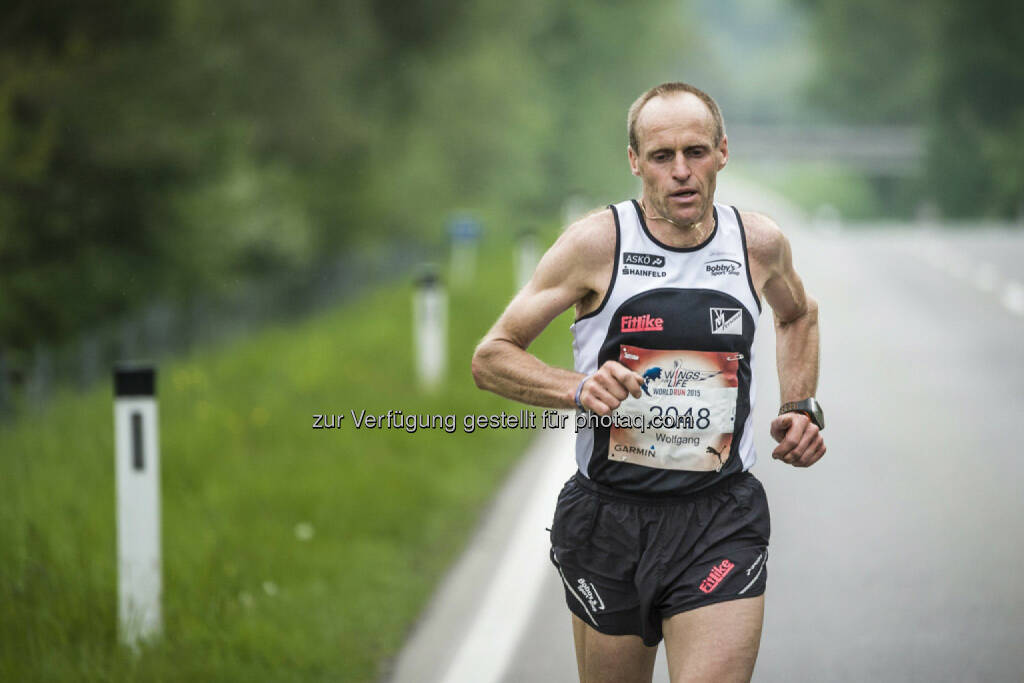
<point x="717" y="643"/>
<point x="611" y="659"/>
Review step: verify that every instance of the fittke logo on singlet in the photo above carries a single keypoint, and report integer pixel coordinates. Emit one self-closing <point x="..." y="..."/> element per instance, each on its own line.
<point x="718" y="572"/>
<point x="642" y="323"/>
<point x="722" y="266"/>
<point x="647" y="263"/>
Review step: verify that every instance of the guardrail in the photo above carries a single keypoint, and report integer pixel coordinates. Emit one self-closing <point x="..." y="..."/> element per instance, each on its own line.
<point x="28" y="379"/>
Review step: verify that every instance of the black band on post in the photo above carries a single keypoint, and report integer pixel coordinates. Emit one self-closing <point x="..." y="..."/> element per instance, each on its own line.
<point x="428" y="277"/>
<point x="134" y="380"/>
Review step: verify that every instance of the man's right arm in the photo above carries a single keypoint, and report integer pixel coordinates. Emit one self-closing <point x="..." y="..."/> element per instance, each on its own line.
<point x="564" y="277"/>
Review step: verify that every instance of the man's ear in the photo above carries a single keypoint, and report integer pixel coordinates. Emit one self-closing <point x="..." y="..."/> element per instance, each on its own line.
<point x="724" y="151"/>
<point x="634" y="161"/>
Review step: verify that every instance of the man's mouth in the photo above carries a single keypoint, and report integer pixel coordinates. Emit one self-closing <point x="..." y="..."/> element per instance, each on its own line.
<point x="684" y="194"/>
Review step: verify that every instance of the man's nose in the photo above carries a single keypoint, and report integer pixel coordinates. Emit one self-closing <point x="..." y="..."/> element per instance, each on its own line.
<point x="680" y="169"/>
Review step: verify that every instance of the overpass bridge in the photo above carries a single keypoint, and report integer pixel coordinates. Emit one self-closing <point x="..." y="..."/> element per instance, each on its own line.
<point x="879" y="150"/>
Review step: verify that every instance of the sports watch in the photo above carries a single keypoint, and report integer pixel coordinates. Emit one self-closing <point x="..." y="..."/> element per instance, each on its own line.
<point x="809" y="407"/>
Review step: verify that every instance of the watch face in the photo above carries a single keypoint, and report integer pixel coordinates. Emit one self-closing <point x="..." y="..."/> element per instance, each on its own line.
<point x="819" y="414"/>
<point x="809" y="406"/>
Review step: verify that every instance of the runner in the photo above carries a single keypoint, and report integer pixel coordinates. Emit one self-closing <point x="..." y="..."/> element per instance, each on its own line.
<point x="663" y="532"/>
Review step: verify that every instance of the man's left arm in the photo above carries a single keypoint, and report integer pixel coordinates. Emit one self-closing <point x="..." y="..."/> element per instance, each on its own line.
<point x="796" y="340"/>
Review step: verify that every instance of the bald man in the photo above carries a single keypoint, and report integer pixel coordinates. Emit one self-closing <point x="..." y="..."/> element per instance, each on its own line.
<point x="663" y="531"/>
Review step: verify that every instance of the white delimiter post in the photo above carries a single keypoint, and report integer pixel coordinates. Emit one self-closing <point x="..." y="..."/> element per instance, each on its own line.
<point x="430" y="324"/>
<point x="527" y="258"/>
<point x="464" y="232"/>
<point x="137" y="455"/>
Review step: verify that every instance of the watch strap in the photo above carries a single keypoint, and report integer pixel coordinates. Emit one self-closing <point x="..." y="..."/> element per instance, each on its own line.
<point x="809" y="407"/>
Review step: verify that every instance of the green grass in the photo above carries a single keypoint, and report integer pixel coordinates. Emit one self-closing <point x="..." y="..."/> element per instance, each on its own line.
<point x="241" y="466"/>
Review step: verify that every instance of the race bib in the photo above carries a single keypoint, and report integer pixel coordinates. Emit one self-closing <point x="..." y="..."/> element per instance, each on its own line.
<point x="686" y="414"/>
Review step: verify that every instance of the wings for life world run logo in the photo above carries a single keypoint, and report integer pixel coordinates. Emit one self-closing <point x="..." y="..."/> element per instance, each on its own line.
<point x="650" y="374"/>
<point x="675" y="378"/>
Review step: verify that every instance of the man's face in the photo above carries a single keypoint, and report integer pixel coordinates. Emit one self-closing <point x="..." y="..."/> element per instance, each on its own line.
<point x="677" y="158"/>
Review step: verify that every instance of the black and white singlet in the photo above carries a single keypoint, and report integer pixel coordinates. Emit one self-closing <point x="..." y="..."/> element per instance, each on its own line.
<point x="684" y="318"/>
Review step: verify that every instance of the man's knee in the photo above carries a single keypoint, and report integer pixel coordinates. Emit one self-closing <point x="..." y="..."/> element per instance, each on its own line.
<point x="717" y="642"/>
<point x="602" y="658"/>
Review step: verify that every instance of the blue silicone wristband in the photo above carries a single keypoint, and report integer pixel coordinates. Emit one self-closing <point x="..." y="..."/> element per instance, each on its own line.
<point x="579" y="391"/>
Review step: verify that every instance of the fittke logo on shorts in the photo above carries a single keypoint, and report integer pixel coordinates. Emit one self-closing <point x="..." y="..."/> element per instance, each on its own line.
<point x="642" y="323"/>
<point x="647" y="262"/>
<point x="718" y="572"/>
<point x="722" y="266"/>
<point x="726" y="321"/>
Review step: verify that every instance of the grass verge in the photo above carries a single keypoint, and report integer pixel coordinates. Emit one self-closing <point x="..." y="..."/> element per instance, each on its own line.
<point x="244" y="597"/>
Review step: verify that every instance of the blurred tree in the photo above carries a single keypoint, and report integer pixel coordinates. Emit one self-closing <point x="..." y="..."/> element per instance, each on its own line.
<point x="84" y="205"/>
<point x="163" y="147"/>
<point x="956" y="67"/>
<point x="877" y="60"/>
<point x="976" y="162"/>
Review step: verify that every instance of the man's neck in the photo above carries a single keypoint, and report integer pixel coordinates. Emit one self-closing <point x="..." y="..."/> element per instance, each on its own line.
<point x="675" y="233"/>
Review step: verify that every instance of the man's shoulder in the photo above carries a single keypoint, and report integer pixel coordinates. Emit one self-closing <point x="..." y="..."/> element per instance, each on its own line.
<point x="598" y="222"/>
<point x="592" y="237"/>
<point x="765" y="240"/>
<point x="582" y="250"/>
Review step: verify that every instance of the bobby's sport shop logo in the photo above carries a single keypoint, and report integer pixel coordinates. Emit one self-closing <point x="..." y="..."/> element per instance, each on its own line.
<point x="589" y="591"/>
<point x="722" y="266"/>
<point x="644" y="265"/>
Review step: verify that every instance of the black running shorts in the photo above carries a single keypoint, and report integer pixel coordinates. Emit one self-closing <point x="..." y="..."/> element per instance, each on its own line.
<point x="628" y="562"/>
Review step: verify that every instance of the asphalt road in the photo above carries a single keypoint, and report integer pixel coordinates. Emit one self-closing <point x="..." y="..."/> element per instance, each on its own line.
<point x="899" y="556"/>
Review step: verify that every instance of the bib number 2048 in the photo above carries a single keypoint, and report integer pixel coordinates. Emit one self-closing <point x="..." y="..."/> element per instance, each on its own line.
<point x="669" y="418"/>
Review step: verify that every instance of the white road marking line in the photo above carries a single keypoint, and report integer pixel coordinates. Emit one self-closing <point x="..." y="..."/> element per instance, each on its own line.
<point x="506" y="604"/>
<point x="1013" y="297"/>
<point x="935" y="259"/>
<point x="985" y="277"/>
<point x="957" y="269"/>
